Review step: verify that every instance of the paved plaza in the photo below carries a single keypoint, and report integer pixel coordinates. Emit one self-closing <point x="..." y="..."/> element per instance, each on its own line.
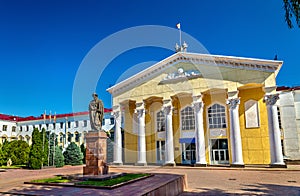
<point x="201" y="181"/>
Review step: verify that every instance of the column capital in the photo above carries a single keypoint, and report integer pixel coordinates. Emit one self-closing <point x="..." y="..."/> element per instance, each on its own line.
<point x="271" y="99"/>
<point x="140" y="109"/>
<point x="197" y="98"/>
<point x="233" y="103"/>
<point x="233" y="94"/>
<point x="116" y="111"/>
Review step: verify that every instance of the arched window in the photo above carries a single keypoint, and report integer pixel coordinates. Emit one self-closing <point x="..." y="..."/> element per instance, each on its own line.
<point x="216" y="116"/>
<point x="187" y="118"/>
<point x="160" y="121"/>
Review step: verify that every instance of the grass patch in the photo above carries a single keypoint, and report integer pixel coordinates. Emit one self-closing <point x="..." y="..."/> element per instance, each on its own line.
<point x="114" y="181"/>
<point x="57" y="179"/>
<point x="12" y="167"/>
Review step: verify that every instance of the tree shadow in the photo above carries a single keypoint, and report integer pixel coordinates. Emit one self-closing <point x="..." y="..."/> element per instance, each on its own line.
<point x="251" y="189"/>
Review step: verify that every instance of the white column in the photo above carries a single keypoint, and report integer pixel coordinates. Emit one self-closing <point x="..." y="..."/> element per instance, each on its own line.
<point x="117" y="136"/>
<point x="167" y="108"/>
<point x="235" y="133"/>
<point x="199" y="131"/>
<point x="140" y="110"/>
<point x="274" y="131"/>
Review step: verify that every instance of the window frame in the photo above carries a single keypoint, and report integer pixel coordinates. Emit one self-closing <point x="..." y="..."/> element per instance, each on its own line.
<point x="190" y="126"/>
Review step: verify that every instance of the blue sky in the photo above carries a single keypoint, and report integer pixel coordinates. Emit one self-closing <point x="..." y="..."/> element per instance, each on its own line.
<point x="43" y="43"/>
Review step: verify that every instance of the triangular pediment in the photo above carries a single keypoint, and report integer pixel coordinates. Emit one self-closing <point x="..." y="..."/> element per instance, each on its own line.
<point x="188" y="66"/>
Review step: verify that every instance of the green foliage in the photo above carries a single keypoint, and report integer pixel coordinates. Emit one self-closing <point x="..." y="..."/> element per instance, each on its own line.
<point x="73" y="155"/>
<point x="45" y="145"/>
<point x="82" y="148"/>
<point x="36" y="150"/>
<point x="292" y="9"/>
<point x="57" y="179"/>
<point x="53" y="144"/>
<point x="59" y="160"/>
<point x="1" y="156"/>
<point x="114" y="181"/>
<point x="17" y="151"/>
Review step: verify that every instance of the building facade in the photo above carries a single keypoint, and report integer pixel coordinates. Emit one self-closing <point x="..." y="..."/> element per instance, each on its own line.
<point x="199" y="109"/>
<point x="68" y="128"/>
<point x="289" y="116"/>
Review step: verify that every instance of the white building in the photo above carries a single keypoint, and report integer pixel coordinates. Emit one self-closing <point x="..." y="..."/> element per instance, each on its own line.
<point x="70" y="127"/>
<point x="289" y="112"/>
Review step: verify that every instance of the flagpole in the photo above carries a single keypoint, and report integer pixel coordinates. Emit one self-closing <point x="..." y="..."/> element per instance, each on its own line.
<point x="180" y="36"/>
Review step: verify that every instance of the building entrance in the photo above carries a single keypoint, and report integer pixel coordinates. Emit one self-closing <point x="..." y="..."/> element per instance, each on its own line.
<point x="188" y="153"/>
<point x="219" y="151"/>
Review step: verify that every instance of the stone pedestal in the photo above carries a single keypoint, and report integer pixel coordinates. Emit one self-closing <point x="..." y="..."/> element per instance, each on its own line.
<point x="95" y="154"/>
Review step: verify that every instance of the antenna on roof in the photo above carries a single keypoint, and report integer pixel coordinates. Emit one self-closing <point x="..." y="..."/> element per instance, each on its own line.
<point x="275" y="58"/>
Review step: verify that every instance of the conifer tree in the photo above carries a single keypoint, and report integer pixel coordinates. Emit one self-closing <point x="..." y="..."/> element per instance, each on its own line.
<point x="73" y="155"/>
<point x="36" y="150"/>
<point x="59" y="160"/>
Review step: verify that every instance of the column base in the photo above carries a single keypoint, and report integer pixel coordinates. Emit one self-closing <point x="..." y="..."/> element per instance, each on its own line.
<point x="237" y="165"/>
<point x="117" y="163"/>
<point x="140" y="164"/>
<point x="278" y="166"/>
<point x="200" y="165"/>
<point x="171" y="164"/>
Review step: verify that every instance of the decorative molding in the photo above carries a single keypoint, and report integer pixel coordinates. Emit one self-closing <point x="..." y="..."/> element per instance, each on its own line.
<point x="180" y="75"/>
<point x="271" y="99"/>
<point x="196" y="59"/>
<point x="233" y="103"/>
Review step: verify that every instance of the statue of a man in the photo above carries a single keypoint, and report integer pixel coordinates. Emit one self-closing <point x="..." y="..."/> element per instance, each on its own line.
<point x="96" y="111"/>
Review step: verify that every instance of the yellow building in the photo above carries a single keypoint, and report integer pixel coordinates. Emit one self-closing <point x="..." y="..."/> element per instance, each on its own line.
<point x="199" y="109"/>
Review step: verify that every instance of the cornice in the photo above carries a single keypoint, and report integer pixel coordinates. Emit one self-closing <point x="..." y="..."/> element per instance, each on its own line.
<point x="233" y="62"/>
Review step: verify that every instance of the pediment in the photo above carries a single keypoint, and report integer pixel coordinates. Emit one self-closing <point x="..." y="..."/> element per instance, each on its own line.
<point x="184" y="66"/>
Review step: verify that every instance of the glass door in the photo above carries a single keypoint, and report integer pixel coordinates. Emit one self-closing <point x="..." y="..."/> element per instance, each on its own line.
<point x="188" y="153"/>
<point x="160" y="152"/>
<point x="219" y="151"/>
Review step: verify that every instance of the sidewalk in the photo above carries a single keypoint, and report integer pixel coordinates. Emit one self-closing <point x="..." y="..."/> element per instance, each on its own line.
<point x="201" y="181"/>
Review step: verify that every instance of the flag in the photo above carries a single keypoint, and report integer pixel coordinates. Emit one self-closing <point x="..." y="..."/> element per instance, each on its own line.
<point x="54" y="118"/>
<point x="44" y="115"/>
<point x="178" y="26"/>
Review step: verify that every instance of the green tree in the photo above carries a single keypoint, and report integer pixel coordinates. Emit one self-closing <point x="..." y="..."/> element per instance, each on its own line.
<point x="45" y="144"/>
<point x="36" y="150"/>
<point x="18" y="152"/>
<point x="73" y="155"/>
<point x="1" y="156"/>
<point x="52" y="145"/>
<point x="59" y="160"/>
<point x="82" y="149"/>
<point x="292" y="9"/>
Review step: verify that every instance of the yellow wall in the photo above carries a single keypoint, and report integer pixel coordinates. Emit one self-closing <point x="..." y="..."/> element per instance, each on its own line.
<point x="210" y="99"/>
<point x="255" y="141"/>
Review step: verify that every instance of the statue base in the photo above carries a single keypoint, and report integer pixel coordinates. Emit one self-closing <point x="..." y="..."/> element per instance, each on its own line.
<point x="95" y="154"/>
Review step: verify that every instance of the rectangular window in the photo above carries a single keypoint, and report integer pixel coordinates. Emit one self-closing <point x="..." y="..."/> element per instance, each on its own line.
<point x="13" y="129"/>
<point x="160" y="121"/>
<point x="61" y="125"/>
<point x="77" y="137"/>
<point x="27" y="128"/>
<point x="112" y="121"/>
<point x="187" y="119"/>
<point x="69" y="124"/>
<point x="85" y="123"/>
<point x="4" y="128"/>
<point x="21" y="128"/>
<point x="76" y="124"/>
<point x="54" y="125"/>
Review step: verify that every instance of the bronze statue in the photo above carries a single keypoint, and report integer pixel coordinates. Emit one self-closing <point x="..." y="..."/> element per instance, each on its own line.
<point x="96" y="111"/>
